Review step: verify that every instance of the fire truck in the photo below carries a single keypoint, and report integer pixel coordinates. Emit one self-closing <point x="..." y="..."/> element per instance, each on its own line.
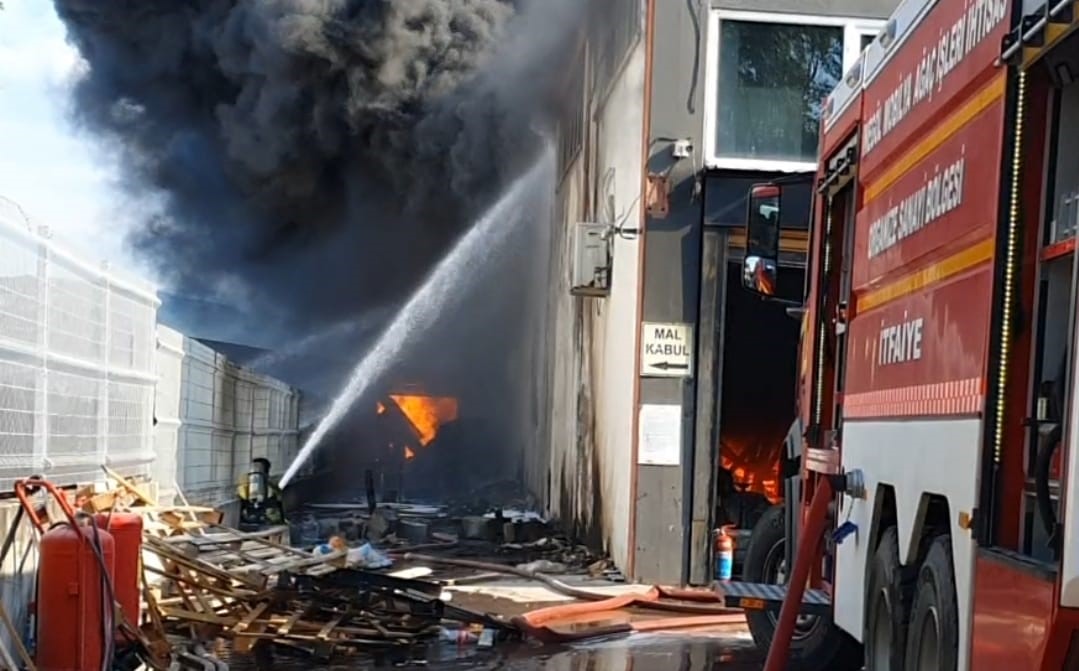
<point x="932" y="517"/>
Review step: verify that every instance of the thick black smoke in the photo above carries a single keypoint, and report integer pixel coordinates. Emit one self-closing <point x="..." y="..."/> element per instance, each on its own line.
<point x="313" y="158"/>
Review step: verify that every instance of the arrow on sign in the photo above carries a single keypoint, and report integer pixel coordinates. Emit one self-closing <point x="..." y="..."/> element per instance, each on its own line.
<point x="666" y="365"/>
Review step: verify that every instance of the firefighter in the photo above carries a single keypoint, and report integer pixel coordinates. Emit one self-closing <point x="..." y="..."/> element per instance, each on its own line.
<point x="260" y="498"/>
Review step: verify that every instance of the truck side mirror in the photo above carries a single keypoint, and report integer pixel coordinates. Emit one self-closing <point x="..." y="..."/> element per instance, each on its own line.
<point x="760" y="268"/>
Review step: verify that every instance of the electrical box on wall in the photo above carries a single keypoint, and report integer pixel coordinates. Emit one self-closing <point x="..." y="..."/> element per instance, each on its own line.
<point x="591" y="260"/>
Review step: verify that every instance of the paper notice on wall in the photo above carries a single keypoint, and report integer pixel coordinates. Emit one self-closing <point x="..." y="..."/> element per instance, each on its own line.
<point x="660" y="435"/>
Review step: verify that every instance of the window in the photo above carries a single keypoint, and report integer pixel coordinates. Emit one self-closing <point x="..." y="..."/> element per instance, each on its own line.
<point x="769" y="74"/>
<point x="616" y="26"/>
<point x="772" y="81"/>
<point x="571" y="120"/>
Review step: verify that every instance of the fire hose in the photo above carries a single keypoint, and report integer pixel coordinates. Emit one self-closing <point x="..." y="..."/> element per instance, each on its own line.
<point x="652" y="600"/>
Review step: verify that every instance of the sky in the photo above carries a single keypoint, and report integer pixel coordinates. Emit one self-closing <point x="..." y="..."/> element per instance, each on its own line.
<point x="58" y="174"/>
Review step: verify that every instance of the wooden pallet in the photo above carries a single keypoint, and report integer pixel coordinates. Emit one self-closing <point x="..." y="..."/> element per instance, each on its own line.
<point x="206" y="581"/>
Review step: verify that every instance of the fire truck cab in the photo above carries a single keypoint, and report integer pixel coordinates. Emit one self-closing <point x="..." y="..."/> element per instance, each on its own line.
<point x="937" y="522"/>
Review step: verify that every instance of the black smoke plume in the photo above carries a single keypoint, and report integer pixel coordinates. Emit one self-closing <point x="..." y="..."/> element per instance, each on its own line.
<point x="313" y="158"/>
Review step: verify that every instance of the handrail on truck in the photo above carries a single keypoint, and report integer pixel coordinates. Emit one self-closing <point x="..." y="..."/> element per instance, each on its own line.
<point x="1034" y="30"/>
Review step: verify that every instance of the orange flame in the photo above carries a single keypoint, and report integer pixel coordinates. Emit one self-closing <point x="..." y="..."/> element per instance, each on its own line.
<point x="409" y="453"/>
<point x="753" y="470"/>
<point x="426" y="413"/>
<point x="381" y="409"/>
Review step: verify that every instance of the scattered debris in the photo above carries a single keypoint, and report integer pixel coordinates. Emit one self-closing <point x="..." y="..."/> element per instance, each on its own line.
<point x="542" y="566"/>
<point x="333" y="593"/>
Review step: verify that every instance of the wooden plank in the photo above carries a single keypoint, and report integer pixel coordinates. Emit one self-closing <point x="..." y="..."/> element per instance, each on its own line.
<point x="328" y="628"/>
<point x="255" y="614"/>
<point x="307" y="563"/>
<point x="195" y="616"/>
<point x="263" y="537"/>
<point x="204" y="540"/>
<point x="284" y="629"/>
<point x="170" y="554"/>
<point x="214" y="587"/>
<point x="200" y="594"/>
<point x="246" y="640"/>
<point x="129" y="486"/>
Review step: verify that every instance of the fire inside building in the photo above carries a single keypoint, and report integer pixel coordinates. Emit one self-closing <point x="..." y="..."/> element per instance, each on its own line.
<point x="756" y="392"/>
<point x="416" y="446"/>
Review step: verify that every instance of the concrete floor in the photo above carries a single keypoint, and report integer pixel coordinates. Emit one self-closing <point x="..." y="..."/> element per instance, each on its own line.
<point x="729" y="652"/>
<point x="658" y="652"/>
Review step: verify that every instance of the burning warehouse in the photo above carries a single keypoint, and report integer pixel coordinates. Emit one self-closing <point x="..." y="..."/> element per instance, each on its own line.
<point x="416" y="445"/>
<point x="317" y="159"/>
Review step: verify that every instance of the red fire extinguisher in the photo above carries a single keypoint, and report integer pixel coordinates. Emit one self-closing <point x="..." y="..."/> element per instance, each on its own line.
<point x="75" y="603"/>
<point x="126" y="531"/>
<point x="724" y="551"/>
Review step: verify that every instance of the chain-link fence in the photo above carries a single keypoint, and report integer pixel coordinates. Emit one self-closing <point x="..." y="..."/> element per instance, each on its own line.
<point x="76" y="361"/>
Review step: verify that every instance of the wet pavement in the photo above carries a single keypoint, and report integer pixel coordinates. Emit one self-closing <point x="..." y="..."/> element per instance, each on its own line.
<point x="652" y="652"/>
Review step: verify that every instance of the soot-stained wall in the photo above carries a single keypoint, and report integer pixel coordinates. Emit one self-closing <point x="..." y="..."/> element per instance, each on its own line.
<point x="587" y="475"/>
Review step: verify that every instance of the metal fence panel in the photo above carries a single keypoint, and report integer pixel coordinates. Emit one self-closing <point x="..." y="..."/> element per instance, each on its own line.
<point x="228" y="416"/>
<point x="74" y="412"/>
<point x="18" y="394"/>
<point x="76" y="361"/>
<point x="80" y="353"/>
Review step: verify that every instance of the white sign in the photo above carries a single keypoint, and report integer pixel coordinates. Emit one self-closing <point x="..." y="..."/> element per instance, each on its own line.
<point x="666" y="350"/>
<point x="660" y="435"/>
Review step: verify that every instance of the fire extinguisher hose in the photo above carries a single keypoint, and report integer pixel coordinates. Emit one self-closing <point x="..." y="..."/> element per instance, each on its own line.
<point x="108" y="599"/>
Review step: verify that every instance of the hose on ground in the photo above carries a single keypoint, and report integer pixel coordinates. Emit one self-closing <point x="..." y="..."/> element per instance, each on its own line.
<point x="649" y="602"/>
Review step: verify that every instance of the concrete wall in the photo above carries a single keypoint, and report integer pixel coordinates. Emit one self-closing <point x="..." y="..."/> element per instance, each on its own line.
<point x="619" y="159"/>
<point x="591" y="341"/>
<point x="655" y="520"/>
<point x="672" y="281"/>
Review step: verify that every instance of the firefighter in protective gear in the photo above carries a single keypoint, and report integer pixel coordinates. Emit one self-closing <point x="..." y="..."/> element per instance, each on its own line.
<point x="260" y="498"/>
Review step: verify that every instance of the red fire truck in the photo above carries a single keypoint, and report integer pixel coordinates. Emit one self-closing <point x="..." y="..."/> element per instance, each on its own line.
<point x="937" y="444"/>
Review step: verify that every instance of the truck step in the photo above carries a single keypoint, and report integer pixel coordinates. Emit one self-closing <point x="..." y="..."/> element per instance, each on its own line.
<point x="761" y="596"/>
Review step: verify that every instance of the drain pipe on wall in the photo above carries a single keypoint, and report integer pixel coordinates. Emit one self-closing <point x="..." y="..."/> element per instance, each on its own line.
<point x="646" y="133"/>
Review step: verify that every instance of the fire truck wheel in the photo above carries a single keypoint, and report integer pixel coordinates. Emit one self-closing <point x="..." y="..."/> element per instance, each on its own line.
<point x="934" y="623"/>
<point x="889" y="593"/>
<point x="818" y="644"/>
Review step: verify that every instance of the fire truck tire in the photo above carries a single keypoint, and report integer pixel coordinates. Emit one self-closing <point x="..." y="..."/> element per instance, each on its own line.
<point x="818" y="644"/>
<point x="933" y="642"/>
<point x="889" y="593"/>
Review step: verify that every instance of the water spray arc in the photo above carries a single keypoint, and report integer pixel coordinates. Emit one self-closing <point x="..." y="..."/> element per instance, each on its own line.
<point x="449" y="279"/>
